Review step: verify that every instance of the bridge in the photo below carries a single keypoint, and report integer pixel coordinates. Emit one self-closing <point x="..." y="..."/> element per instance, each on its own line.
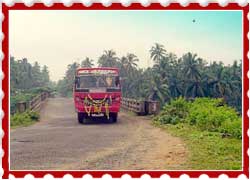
<point x="58" y="142"/>
<point x="140" y="107"/>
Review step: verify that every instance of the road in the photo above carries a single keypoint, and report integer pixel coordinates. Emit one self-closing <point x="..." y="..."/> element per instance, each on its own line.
<point x="58" y="142"/>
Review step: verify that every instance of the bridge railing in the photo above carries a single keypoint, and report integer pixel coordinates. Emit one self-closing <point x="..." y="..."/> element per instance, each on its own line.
<point x="34" y="104"/>
<point x="140" y="107"/>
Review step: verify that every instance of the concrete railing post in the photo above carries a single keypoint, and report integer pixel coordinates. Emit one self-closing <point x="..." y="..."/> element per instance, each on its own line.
<point x="21" y="107"/>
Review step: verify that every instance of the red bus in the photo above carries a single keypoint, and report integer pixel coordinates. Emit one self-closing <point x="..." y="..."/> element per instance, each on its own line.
<point x="97" y="93"/>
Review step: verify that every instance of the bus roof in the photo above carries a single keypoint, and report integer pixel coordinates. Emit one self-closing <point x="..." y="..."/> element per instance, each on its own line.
<point x="116" y="70"/>
<point x="104" y="68"/>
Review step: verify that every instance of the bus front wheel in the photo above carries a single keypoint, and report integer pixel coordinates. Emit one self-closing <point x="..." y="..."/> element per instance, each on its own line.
<point x="80" y="117"/>
<point x="113" y="117"/>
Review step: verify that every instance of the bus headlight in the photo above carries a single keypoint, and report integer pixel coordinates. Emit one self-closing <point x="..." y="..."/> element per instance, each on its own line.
<point x="117" y="99"/>
<point x="78" y="99"/>
<point x="86" y="102"/>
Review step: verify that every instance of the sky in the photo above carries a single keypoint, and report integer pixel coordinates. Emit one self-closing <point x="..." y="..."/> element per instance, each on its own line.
<point x="58" y="38"/>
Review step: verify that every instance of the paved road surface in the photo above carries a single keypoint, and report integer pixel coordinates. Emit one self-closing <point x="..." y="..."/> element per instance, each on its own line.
<point x="58" y="142"/>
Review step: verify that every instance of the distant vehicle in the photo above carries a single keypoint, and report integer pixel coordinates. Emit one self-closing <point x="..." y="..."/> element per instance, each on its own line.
<point x="97" y="93"/>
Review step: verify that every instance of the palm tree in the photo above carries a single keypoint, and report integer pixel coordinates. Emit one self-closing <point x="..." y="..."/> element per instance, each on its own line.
<point x="128" y="63"/>
<point x="124" y="61"/>
<point x="108" y="59"/>
<point x="219" y="84"/>
<point x="194" y="89"/>
<point x="122" y="64"/>
<point x="174" y="86"/>
<point x="131" y="63"/>
<point x="37" y="76"/>
<point x="192" y="76"/>
<point x="26" y="74"/>
<point x="45" y="75"/>
<point x="133" y="84"/>
<point x="190" y="68"/>
<point x="157" y="88"/>
<point x="157" y="52"/>
<point x="87" y="62"/>
<point x="162" y="67"/>
<point x="132" y="60"/>
<point x="236" y="71"/>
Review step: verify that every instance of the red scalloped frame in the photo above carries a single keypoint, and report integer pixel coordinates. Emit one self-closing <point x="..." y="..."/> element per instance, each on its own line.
<point x="133" y="173"/>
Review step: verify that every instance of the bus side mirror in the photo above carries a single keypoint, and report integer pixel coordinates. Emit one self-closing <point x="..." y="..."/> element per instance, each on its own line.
<point x="77" y="81"/>
<point x="117" y="81"/>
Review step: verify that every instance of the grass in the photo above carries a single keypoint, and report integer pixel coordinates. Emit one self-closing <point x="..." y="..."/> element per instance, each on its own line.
<point x="210" y="128"/>
<point x="208" y="150"/>
<point x="23" y="119"/>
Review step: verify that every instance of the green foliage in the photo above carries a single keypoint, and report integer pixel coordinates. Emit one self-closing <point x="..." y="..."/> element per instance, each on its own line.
<point x="23" y="119"/>
<point x="207" y="150"/>
<point x="108" y="59"/>
<point x="232" y="127"/>
<point x="174" y="112"/>
<point x="207" y="114"/>
<point x="25" y="76"/>
<point x="38" y="90"/>
<point x="33" y="115"/>
<point x="20" y="96"/>
<point x="26" y="95"/>
<point x="169" y="77"/>
<point x="87" y="62"/>
<point x="65" y="85"/>
<point x="27" y="81"/>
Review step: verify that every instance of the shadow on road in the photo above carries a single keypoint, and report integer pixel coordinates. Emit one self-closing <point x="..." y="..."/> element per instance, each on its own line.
<point x="98" y="120"/>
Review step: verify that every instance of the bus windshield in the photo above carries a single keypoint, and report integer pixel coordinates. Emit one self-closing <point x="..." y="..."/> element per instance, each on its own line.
<point x="97" y="81"/>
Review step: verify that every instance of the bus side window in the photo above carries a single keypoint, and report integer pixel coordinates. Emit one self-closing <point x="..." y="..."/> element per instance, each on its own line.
<point x="77" y="82"/>
<point x="117" y="81"/>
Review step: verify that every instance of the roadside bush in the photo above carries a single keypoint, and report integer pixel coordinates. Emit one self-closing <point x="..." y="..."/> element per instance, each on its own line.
<point x="25" y="95"/>
<point x="23" y="119"/>
<point x="39" y="90"/>
<point x="232" y="128"/>
<point x="174" y="112"/>
<point x="33" y="115"/>
<point x="211" y="114"/>
<point x="208" y="114"/>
